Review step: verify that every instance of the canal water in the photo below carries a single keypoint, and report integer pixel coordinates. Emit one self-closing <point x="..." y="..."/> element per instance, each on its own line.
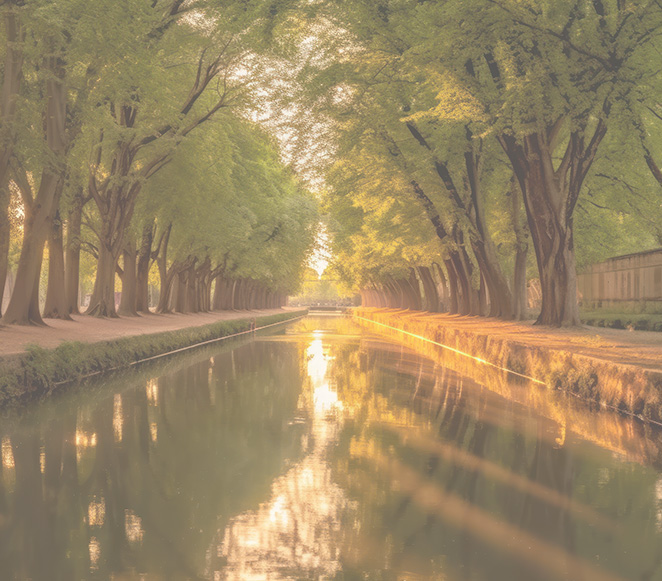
<point x="322" y="452"/>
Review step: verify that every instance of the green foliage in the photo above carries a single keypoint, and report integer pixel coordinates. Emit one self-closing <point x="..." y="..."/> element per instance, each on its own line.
<point x="621" y="320"/>
<point x="244" y="208"/>
<point x="139" y="100"/>
<point x="481" y="69"/>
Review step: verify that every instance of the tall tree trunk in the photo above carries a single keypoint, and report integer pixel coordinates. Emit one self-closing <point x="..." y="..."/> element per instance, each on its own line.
<point x="219" y="293"/>
<point x="255" y="298"/>
<point x="415" y="291"/>
<point x="453" y="287"/>
<point x="127" y="306"/>
<point x="500" y="296"/>
<point x="228" y="295"/>
<point x="223" y="294"/>
<point x="520" y="303"/>
<point x="240" y="295"/>
<point x="550" y="196"/>
<point x="72" y="254"/>
<point x="164" y="278"/>
<point x="23" y="308"/>
<point x="483" y="295"/>
<point x="192" y="290"/>
<point x="103" y="304"/>
<point x="468" y="300"/>
<point x="428" y="303"/>
<point x="479" y="236"/>
<point x="431" y="296"/>
<point x="202" y="282"/>
<point x="262" y="302"/>
<point x="115" y="218"/>
<point x="375" y="297"/>
<point x="233" y="296"/>
<point x="142" y="274"/>
<point x="390" y="294"/>
<point x="56" y="298"/>
<point x="440" y="281"/>
<point x="395" y="294"/>
<point x="12" y="77"/>
<point x="5" y="232"/>
<point x="179" y="296"/>
<point x="249" y="294"/>
<point x="173" y="294"/>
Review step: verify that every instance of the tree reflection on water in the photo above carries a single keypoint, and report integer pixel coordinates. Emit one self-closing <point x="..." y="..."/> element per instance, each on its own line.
<point x="322" y="454"/>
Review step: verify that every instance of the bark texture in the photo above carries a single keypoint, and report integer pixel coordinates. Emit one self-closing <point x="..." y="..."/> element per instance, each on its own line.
<point x="56" y="306"/>
<point x="12" y="77"/>
<point x="550" y="196"/>
<point x="127" y="305"/>
<point x="23" y="308"/>
<point x="72" y="254"/>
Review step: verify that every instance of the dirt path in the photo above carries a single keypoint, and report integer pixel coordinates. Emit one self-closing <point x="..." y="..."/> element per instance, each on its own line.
<point x="640" y="348"/>
<point x="14" y="339"/>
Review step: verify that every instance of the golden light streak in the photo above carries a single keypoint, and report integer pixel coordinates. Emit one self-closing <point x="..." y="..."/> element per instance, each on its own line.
<point x="152" y="391"/>
<point x="658" y="495"/>
<point x="460" y="457"/>
<point x="95" y="552"/>
<point x="476" y="359"/>
<point x="133" y="527"/>
<point x="117" y="417"/>
<point x="7" y="453"/>
<point x="84" y="440"/>
<point x="430" y="497"/>
<point x="296" y="530"/>
<point x="96" y="513"/>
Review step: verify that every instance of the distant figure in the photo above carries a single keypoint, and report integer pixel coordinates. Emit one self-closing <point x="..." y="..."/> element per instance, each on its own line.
<point x="253" y="324"/>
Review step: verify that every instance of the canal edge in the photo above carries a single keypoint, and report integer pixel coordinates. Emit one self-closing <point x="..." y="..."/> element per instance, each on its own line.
<point x="39" y="372"/>
<point x="629" y="389"/>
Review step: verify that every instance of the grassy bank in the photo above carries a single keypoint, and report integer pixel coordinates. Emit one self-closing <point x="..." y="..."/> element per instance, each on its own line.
<point x="620" y="320"/>
<point x="39" y="372"/>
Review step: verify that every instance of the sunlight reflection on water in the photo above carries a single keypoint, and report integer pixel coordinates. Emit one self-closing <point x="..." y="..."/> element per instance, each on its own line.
<point x="299" y="527"/>
<point x="321" y="453"/>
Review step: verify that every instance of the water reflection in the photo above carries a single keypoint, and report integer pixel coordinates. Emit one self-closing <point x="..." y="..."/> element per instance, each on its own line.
<point x="296" y="532"/>
<point x="321" y="454"/>
<point x="137" y="481"/>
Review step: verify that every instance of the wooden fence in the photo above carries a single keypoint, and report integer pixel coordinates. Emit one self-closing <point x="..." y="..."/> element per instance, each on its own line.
<point x="630" y="283"/>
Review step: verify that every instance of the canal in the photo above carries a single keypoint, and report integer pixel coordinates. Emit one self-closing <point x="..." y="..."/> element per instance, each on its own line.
<point x="322" y="452"/>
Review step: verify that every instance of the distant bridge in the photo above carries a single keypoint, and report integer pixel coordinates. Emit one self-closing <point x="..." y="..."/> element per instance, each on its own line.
<point x="327" y="308"/>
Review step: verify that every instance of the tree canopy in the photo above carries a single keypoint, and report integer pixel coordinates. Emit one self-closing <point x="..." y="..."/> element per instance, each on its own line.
<point x="457" y="149"/>
<point x="499" y="120"/>
<point x="128" y="135"/>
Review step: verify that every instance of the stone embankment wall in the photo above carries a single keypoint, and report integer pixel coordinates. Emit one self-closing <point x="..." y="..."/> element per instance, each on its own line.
<point x="502" y="364"/>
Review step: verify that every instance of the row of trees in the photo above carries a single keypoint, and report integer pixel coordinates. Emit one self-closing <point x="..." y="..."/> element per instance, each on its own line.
<point x="470" y="133"/>
<point x="126" y="134"/>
